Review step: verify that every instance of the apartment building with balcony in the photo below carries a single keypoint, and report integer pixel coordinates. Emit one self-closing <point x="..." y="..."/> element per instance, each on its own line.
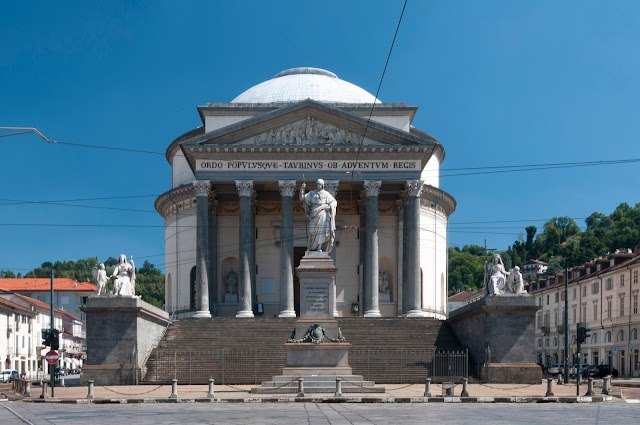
<point x="603" y="296"/>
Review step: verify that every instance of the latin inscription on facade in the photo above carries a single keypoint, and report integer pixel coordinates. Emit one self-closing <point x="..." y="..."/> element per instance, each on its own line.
<point x="316" y="300"/>
<point x="319" y="165"/>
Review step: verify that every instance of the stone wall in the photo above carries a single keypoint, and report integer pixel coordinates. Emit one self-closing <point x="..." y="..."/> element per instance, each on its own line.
<point x="120" y="334"/>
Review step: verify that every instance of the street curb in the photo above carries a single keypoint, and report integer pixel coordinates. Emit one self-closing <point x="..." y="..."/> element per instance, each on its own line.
<point x="451" y="400"/>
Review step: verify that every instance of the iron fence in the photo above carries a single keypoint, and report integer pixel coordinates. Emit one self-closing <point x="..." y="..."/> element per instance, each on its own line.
<point x="254" y="365"/>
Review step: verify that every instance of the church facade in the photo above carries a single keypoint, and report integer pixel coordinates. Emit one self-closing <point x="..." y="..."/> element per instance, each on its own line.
<point x="235" y="229"/>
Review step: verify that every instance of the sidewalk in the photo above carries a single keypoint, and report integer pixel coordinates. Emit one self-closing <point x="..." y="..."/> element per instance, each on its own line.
<point x="395" y="393"/>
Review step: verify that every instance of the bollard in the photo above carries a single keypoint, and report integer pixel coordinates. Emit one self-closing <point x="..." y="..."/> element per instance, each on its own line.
<point x="560" y="380"/>
<point x="465" y="392"/>
<point x="27" y="388"/>
<point x="590" y="387"/>
<point x="606" y="389"/>
<point x="549" y="388"/>
<point x="427" y="387"/>
<point x="174" y="388"/>
<point x="90" y="390"/>
<point x="211" y="394"/>
<point x="43" y="383"/>
<point x="338" y="387"/>
<point x="300" y="387"/>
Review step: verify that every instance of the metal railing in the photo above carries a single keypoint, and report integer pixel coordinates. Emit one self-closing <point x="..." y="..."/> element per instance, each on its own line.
<point x="252" y="366"/>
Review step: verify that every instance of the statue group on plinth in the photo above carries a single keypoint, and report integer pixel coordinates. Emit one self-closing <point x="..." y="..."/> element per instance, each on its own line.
<point x="503" y="282"/>
<point x="123" y="276"/>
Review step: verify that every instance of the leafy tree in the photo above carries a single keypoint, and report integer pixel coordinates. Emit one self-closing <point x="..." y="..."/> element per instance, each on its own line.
<point x="7" y="273"/>
<point x="466" y="268"/>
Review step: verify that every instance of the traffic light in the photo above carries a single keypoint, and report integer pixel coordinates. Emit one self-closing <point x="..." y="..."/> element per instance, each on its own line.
<point x="55" y="340"/>
<point x="583" y="334"/>
<point x="46" y="337"/>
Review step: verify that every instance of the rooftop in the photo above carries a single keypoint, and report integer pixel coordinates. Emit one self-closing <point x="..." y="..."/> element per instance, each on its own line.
<point x="36" y="284"/>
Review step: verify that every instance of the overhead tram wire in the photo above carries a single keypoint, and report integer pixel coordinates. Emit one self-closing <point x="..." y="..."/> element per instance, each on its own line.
<point x="373" y="105"/>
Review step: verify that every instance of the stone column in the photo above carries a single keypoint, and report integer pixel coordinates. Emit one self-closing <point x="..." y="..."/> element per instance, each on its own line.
<point x="213" y="254"/>
<point x="400" y="203"/>
<point x="287" y="189"/>
<point x="245" y="188"/>
<point x="413" y="301"/>
<point x="331" y="186"/>
<point x="372" y="308"/>
<point x="202" y="247"/>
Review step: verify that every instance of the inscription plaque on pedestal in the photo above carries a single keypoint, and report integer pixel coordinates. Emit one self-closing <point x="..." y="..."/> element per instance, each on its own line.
<point x="316" y="301"/>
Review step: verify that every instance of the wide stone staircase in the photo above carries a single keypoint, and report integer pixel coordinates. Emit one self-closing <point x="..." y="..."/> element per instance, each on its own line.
<point x="250" y="351"/>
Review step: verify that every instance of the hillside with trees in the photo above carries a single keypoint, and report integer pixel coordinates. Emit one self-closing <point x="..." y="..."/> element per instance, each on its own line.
<point x="149" y="279"/>
<point x="560" y="243"/>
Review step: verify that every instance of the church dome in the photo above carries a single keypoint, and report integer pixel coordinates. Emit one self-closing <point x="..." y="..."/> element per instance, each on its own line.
<point x="297" y="84"/>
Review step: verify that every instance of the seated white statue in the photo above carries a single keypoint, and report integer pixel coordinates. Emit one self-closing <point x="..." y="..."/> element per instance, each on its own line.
<point x="516" y="283"/>
<point x="125" y="277"/>
<point x="497" y="276"/>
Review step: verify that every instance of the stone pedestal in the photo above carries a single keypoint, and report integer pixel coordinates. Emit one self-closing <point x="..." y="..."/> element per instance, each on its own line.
<point x="321" y="362"/>
<point x="120" y="334"/>
<point x="500" y="334"/>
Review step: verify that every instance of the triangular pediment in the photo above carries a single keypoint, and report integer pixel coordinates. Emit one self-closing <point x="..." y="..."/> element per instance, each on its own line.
<point x="309" y="123"/>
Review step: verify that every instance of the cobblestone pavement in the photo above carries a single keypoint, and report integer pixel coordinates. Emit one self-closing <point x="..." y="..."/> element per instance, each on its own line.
<point x="14" y="413"/>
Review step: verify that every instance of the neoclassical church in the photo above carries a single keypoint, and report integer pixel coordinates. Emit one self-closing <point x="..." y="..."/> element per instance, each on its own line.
<point x="235" y="228"/>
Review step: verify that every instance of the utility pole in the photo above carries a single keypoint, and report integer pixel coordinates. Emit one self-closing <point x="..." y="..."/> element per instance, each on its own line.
<point x="52" y="367"/>
<point x="566" y="324"/>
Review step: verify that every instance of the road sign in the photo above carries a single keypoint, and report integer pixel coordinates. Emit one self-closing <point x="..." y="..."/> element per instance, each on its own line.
<point x="614" y="350"/>
<point x="52" y="357"/>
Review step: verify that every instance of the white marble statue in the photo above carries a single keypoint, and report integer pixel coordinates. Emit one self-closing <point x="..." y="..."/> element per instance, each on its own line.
<point x="101" y="278"/>
<point x="320" y="207"/>
<point x="516" y="283"/>
<point x="383" y="282"/>
<point x="497" y="276"/>
<point x="231" y="280"/>
<point x="124" y="276"/>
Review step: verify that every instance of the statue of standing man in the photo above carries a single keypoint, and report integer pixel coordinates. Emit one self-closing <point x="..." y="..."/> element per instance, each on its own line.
<point x="320" y="207"/>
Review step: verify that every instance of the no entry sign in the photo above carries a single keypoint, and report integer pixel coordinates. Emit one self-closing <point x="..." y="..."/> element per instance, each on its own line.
<point x="52" y="357"/>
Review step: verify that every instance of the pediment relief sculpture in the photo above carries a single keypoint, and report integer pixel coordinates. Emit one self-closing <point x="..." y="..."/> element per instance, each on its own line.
<point x="308" y="132"/>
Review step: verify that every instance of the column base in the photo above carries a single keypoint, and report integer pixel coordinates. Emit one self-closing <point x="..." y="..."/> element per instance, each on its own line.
<point x="415" y="313"/>
<point x="372" y="313"/>
<point x="335" y="313"/>
<point x="245" y="314"/>
<point x="202" y="314"/>
<point x="287" y="313"/>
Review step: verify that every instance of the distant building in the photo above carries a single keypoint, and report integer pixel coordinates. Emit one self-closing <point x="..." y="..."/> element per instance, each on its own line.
<point x="532" y="269"/>
<point x="24" y="318"/>
<point x="603" y="296"/>
<point x="69" y="295"/>
<point x="463" y="298"/>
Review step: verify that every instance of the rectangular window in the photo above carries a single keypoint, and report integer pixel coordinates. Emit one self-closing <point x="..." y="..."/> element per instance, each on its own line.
<point x="584" y="291"/>
<point x="622" y="306"/>
<point x="595" y="310"/>
<point x="609" y="283"/>
<point x="562" y="296"/>
<point x="595" y="287"/>
<point x="635" y="303"/>
<point x="609" y="308"/>
<point x="557" y="296"/>
<point x="573" y="314"/>
<point x="621" y="280"/>
<point x="583" y="316"/>
<point x="547" y="299"/>
<point x="635" y="276"/>
<point x="555" y="318"/>
<point x="574" y="293"/>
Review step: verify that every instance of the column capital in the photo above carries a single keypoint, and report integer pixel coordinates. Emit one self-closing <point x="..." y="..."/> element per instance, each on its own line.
<point x="287" y="187"/>
<point x="331" y="186"/>
<point x="372" y="187"/>
<point x="245" y="187"/>
<point x="414" y="188"/>
<point x="202" y="187"/>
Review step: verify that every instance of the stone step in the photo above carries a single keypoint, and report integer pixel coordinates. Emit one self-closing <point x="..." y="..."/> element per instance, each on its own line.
<point x="318" y="390"/>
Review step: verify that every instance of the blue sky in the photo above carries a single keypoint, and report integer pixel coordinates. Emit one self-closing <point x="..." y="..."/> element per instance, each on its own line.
<point x="499" y="83"/>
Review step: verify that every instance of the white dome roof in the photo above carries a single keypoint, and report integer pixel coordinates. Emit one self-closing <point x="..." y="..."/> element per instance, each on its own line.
<point x="297" y="84"/>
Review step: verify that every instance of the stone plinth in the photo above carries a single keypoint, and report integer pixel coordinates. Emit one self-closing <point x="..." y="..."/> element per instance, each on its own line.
<point x="500" y="334"/>
<point x="121" y="332"/>
<point x="327" y="358"/>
